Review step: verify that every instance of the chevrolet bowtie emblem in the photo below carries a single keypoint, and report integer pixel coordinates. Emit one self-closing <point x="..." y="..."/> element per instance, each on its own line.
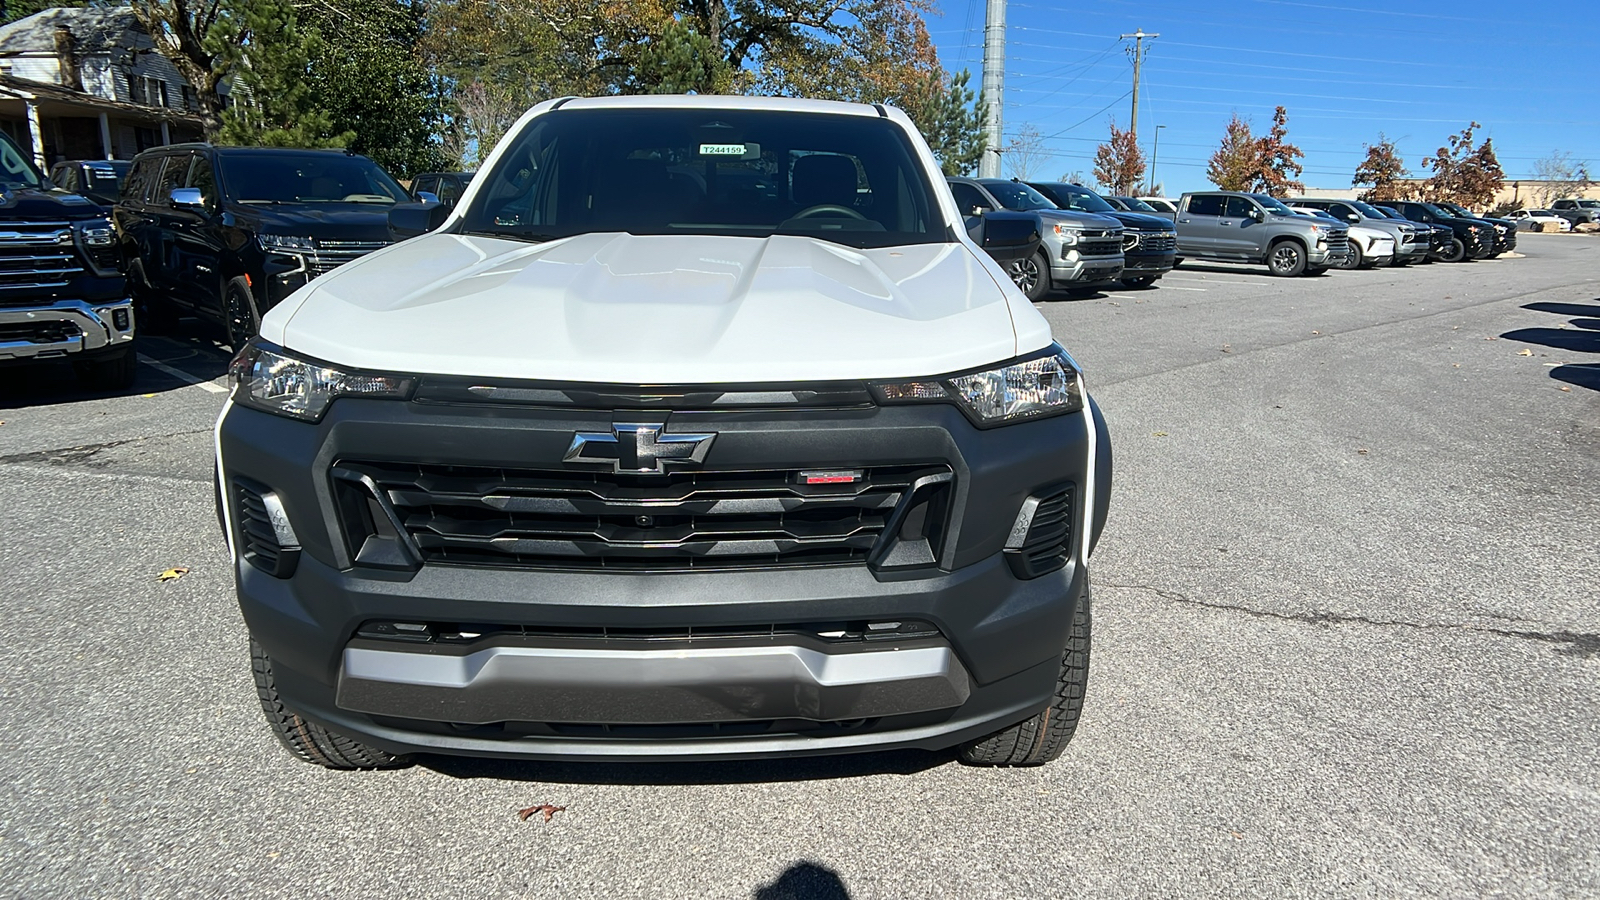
<point x="638" y="449"/>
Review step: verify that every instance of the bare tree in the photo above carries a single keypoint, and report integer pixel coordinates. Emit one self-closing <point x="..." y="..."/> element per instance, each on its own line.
<point x="204" y="41"/>
<point x="1562" y="176"/>
<point x="1025" y="153"/>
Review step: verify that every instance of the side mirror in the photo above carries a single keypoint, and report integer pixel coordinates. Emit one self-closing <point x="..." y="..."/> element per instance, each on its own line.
<point x="427" y="197"/>
<point x="1010" y="236"/>
<point x="1352" y="217"/>
<point x="411" y="219"/>
<point x="1258" y="215"/>
<point x="188" y="198"/>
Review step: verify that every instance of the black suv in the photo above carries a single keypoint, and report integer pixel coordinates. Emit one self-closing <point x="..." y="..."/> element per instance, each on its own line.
<point x="61" y="294"/>
<point x="228" y="232"/>
<point x="1149" y="242"/>
<point x="1505" y="230"/>
<point x="98" y="179"/>
<point x="1474" y="238"/>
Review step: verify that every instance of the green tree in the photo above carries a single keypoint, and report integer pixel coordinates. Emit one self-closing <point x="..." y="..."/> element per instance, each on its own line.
<point x="366" y="71"/>
<point x="12" y="10"/>
<point x="950" y="117"/>
<point x="680" y="61"/>
<point x="276" y="69"/>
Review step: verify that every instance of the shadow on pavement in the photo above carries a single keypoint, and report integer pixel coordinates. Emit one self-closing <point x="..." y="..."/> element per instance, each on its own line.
<point x="809" y="768"/>
<point x="804" y="880"/>
<point x="1559" y="338"/>
<point x="1591" y="324"/>
<point x="1584" y="376"/>
<point x="1564" y="309"/>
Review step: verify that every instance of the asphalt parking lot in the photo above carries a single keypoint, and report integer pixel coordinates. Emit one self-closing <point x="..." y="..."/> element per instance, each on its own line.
<point x="1348" y="644"/>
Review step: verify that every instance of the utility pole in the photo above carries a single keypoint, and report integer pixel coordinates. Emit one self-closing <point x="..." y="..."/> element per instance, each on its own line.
<point x="994" y="83"/>
<point x="1137" y="53"/>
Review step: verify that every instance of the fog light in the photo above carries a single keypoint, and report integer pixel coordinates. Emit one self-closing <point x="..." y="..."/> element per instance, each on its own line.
<point x="397" y="631"/>
<point x="120" y="318"/>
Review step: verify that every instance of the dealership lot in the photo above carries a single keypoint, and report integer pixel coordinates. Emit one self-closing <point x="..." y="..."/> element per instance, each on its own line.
<point x="1348" y="640"/>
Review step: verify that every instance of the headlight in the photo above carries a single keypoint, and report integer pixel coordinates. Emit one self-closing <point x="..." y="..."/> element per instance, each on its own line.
<point x="1015" y="392"/>
<point x="268" y="379"/>
<point x="1319" y="228"/>
<point x="285" y="243"/>
<point x="1068" y="234"/>
<point x="96" y="233"/>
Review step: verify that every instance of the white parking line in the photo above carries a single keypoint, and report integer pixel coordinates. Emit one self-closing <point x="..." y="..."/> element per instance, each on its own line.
<point x="1173" y="287"/>
<point x="183" y="376"/>
<point x="1167" y="278"/>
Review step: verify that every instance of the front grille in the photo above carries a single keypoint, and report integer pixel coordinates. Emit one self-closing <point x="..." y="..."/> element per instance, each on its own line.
<point x="575" y="519"/>
<point x="462" y="634"/>
<point x="45" y="332"/>
<point x="1338" y="242"/>
<point x="330" y="255"/>
<point x="1100" y="243"/>
<point x="1046" y="547"/>
<point x="37" y="255"/>
<point x="1155" y="242"/>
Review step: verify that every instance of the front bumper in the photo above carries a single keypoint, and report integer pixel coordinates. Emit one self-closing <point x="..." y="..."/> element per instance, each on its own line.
<point x="1072" y="268"/>
<point x="1140" y="264"/>
<point x="65" y="328"/>
<point x="545" y="686"/>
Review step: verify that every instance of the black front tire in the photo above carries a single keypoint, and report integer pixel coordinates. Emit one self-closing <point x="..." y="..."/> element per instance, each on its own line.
<point x="308" y="740"/>
<point x="1286" y="259"/>
<point x="1353" y="259"/>
<point x="1043" y="736"/>
<point x="1455" y="252"/>
<point x="1031" y="276"/>
<point x="115" y="372"/>
<point x="241" y="317"/>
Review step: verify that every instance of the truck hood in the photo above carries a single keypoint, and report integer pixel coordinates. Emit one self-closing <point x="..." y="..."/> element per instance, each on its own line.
<point x="628" y="309"/>
<point x="31" y="204"/>
<point x="324" y="221"/>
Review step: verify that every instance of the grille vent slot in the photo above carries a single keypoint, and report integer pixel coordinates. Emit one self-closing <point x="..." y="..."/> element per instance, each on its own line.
<point x="262" y="542"/>
<point x="1045" y="545"/>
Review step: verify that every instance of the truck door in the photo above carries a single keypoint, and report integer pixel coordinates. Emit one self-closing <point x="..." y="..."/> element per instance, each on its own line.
<point x="1238" y="232"/>
<point x="1197" y="224"/>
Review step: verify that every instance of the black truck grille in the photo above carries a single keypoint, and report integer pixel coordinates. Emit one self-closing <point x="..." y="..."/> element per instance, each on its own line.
<point x="37" y="255"/>
<point x="330" y="255"/>
<point x="1150" y="242"/>
<point x="597" y="520"/>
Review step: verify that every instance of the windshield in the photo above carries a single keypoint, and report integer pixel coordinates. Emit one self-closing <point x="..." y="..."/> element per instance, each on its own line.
<point x="1016" y="196"/>
<point x="1369" y="210"/>
<point x="105" y="177"/>
<point x="1134" y="204"/>
<point x="1437" y="210"/>
<point x="1318" y="213"/>
<point x="852" y="180"/>
<point x="1589" y="204"/>
<point x="1272" y="204"/>
<point x="1069" y="196"/>
<point x="1458" y="210"/>
<point x="16" y="169"/>
<point x="307" y="178"/>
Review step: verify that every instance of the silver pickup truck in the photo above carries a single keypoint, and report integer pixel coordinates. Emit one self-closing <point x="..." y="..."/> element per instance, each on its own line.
<point x="1230" y="226"/>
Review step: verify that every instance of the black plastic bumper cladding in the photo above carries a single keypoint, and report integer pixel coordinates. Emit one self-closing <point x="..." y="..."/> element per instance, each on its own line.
<point x="944" y="565"/>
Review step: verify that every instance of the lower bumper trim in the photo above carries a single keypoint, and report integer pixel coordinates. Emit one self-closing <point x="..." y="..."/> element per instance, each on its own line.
<point x="668" y="686"/>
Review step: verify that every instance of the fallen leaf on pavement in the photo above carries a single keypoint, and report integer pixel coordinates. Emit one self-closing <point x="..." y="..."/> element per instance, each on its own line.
<point x="1566" y="389"/>
<point x="1362" y="451"/>
<point x="1524" y="352"/>
<point x="1227" y="348"/>
<point x="548" y="810"/>
<point x="173" y="574"/>
<point x="1158" y="434"/>
<point x="1491" y="339"/>
<point x="1316" y="332"/>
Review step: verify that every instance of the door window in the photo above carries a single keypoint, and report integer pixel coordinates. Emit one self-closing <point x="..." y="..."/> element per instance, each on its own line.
<point x="1239" y="208"/>
<point x="139" y="178"/>
<point x="172" y="176"/>
<point x="201" y="176"/>
<point x="969" y="198"/>
<point x="1206" y="205"/>
<point x="449" y="191"/>
<point x="424" y="184"/>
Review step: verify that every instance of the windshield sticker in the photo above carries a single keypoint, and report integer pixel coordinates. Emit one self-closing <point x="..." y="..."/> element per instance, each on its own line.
<point x="724" y="150"/>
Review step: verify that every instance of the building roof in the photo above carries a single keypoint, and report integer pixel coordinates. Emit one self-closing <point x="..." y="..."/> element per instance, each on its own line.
<point x="98" y="29"/>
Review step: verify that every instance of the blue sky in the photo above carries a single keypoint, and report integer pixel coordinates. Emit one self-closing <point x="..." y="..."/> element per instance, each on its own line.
<point x="1346" y="69"/>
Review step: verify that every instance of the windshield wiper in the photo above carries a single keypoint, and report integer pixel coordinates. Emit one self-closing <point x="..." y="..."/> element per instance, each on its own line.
<point x="528" y="236"/>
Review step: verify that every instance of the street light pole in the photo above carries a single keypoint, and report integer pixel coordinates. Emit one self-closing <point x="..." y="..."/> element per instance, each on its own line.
<point x="1150" y="183"/>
